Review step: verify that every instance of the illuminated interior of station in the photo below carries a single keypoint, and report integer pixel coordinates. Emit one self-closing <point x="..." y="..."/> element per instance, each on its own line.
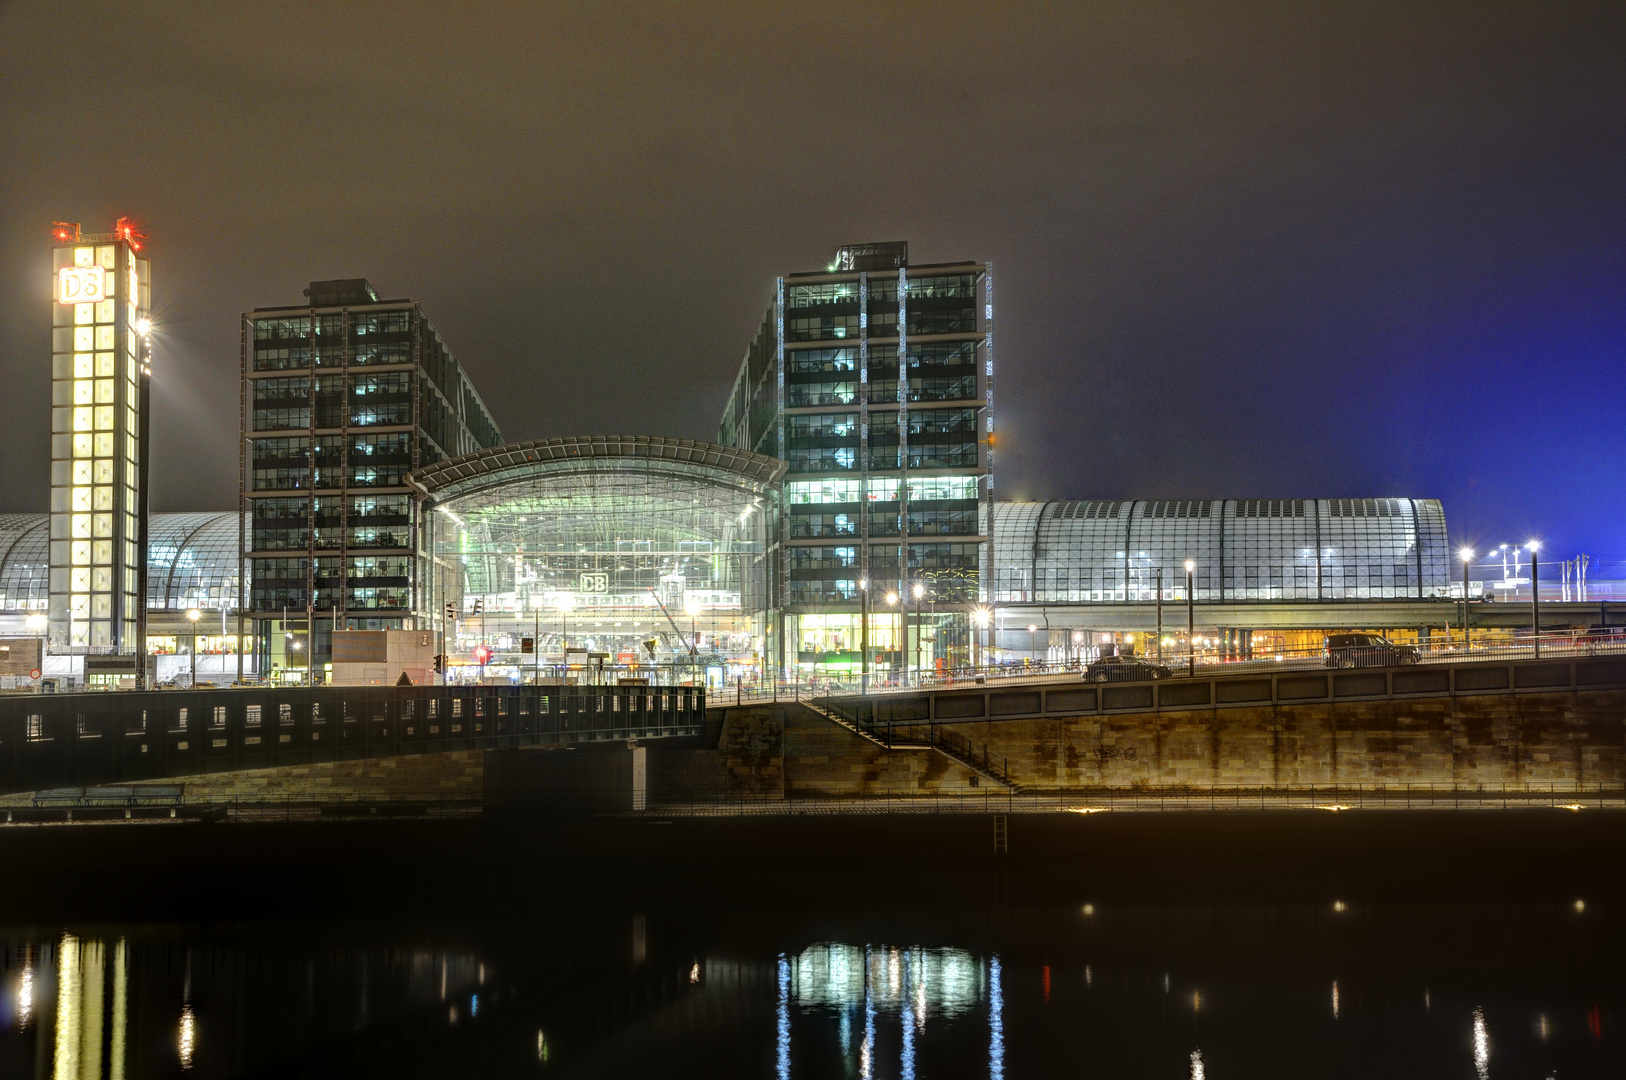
<point x="619" y="557"/>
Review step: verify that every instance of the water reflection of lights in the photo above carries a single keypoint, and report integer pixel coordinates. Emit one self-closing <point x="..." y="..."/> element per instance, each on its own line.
<point x="694" y="974"/>
<point x="187" y="1043"/>
<point x="1481" y="1045"/>
<point x="25" y="994"/>
<point x="996" y="1023"/>
<point x="945" y="982"/>
<point x="1580" y="906"/>
<point x="1335" y="999"/>
<point x="784" y="1018"/>
<point x="1196" y="1001"/>
<point x="1089" y="909"/>
<point x="906" y="1056"/>
<point x="1574" y="806"/>
<point x="1334" y="807"/>
<point x="1089" y="976"/>
<point x="542" y="1049"/>
<point x="866" y="1051"/>
<point x="1197" y="1064"/>
<point x="1339" y="906"/>
<point x="1088" y="809"/>
<point x="1541" y="1027"/>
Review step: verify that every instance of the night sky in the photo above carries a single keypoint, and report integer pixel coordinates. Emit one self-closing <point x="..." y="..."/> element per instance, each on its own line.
<point x="1241" y="250"/>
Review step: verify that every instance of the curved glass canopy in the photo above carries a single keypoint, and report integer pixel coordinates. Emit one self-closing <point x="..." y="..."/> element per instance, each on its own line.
<point x="582" y="542"/>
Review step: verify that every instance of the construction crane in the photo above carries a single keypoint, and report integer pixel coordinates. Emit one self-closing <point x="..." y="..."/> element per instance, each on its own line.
<point x="694" y="651"/>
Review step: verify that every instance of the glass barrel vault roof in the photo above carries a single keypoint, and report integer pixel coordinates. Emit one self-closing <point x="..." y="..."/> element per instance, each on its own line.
<point x="1242" y="550"/>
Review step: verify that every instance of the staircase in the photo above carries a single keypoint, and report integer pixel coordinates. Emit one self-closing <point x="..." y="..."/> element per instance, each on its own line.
<point x="952" y="745"/>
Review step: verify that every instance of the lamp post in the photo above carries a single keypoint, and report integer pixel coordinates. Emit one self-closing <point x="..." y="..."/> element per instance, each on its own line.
<point x="1033" y="643"/>
<point x="694" y="640"/>
<point x="37" y="623"/>
<point x="1535" y="597"/>
<point x="892" y="600"/>
<point x="863" y="635"/>
<point x="1467" y="555"/>
<point x="919" y="590"/>
<point x="563" y="604"/>
<point x="193" y="616"/>
<point x="1191" y="622"/>
<point x="1160" y="614"/>
<point x="979" y="619"/>
<point x="536" y="638"/>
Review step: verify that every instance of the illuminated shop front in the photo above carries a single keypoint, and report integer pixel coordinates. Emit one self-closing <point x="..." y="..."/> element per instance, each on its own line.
<point x="618" y="557"/>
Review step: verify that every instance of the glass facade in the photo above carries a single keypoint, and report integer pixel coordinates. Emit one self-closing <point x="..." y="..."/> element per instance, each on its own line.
<point x="580" y="543"/>
<point x="342" y="400"/>
<point x="873" y="382"/>
<point x="1244" y="550"/>
<point x="101" y="290"/>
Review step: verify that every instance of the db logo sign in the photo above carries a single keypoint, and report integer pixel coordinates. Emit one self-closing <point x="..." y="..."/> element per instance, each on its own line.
<point x="81" y="285"/>
<point x="595" y="582"/>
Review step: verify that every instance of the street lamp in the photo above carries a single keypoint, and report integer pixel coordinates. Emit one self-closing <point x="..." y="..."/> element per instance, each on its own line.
<point x="694" y="639"/>
<point x="1467" y="556"/>
<point x="193" y="616"/>
<point x="892" y="601"/>
<point x="1535" y="596"/>
<point x="1191" y="622"/>
<point x="563" y="603"/>
<point x="919" y="590"/>
<point x="1033" y="641"/>
<point x="979" y="619"/>
<point x="37" y="623"/>
<point x="863" y="635"/>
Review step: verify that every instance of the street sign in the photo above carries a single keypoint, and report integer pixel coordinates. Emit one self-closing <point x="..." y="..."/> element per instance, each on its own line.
<point x="34" y="674"/>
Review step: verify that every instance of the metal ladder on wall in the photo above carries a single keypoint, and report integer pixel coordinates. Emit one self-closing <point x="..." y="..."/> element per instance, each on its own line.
<point x="1001" y="836"/>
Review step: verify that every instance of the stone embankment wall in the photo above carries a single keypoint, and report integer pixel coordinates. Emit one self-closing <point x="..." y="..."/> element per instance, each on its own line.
<point x="790" y="751"/>
<point x="1514" y="739"/>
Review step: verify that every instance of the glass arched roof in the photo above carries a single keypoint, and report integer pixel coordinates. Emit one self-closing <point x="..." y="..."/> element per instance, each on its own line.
<point x="1242" y="550"/>
<point x="191" y="561"/>
<point x="614" y="516"/>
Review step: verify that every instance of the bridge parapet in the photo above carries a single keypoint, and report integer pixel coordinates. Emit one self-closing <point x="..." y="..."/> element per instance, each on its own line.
<point x="74" y="740"/>
<point x="979" y="704"/>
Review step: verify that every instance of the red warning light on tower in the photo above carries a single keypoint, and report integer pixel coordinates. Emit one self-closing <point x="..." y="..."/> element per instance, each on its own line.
<point x="127" y="232"/>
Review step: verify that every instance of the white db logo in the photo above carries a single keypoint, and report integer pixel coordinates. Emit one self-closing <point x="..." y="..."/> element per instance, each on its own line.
<point x="595" y="582"/>
<point x="81" y="285"/>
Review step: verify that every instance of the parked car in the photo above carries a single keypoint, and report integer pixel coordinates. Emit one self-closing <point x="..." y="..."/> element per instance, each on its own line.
<point x="1129" y="668"/>
<point x="1367" y="650"/>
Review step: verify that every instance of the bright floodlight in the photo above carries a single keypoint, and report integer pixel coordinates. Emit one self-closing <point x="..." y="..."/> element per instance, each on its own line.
<point x="36" y="622"/>
<point x="980" y="616"/>
<point x="1190" y="566"/>
<point x="892" y="598"/>
<point x="1467" y="554"/>
<point x="1032" y="627"/>
<point x="919" y="590"/>
<point x="1534" y="545"/>
<point x="194" y="614"/>
<point x="564" y="602"/>
<point x="143" y="325"/>
<point x="863" y="583"/>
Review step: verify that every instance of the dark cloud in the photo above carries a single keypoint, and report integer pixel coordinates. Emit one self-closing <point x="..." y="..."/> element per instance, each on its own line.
<point x="1243" y="249"/>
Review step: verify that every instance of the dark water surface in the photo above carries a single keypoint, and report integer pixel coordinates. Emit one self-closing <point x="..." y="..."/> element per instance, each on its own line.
<point x="866" y="990"/>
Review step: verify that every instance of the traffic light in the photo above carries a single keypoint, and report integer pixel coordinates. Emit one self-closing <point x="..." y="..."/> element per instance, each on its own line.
<point x="451" y="611"/>
<point x="440" y="663"/>
<point x="479" y="607"/>
<point x="482" y="654"/>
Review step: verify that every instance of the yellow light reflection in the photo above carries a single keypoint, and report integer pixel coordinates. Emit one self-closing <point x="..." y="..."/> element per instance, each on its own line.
<point x="187" y="1042"/>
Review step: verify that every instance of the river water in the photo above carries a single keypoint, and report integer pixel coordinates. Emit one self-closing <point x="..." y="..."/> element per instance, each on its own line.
<point x="744" y="990"/>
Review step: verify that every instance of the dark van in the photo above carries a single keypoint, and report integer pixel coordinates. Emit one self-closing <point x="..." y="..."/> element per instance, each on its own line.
<point x="1367" y="650"/>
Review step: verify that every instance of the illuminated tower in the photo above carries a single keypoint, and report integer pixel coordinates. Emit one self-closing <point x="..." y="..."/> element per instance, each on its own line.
<point x="101" y="292"/>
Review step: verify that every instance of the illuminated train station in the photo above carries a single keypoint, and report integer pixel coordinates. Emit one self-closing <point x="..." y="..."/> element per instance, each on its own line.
<point x="844" y="523"/>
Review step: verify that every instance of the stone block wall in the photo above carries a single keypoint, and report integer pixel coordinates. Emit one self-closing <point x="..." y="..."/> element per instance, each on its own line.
<point x="1536" y="739"/>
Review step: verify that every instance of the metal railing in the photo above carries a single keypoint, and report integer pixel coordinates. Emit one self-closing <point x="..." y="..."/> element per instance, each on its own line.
<point x="1204" y="664"/>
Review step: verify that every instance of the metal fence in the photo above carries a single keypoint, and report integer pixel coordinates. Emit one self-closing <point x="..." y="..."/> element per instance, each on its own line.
<point x="77" y="739"/>
<point x="1203" y="664"/>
